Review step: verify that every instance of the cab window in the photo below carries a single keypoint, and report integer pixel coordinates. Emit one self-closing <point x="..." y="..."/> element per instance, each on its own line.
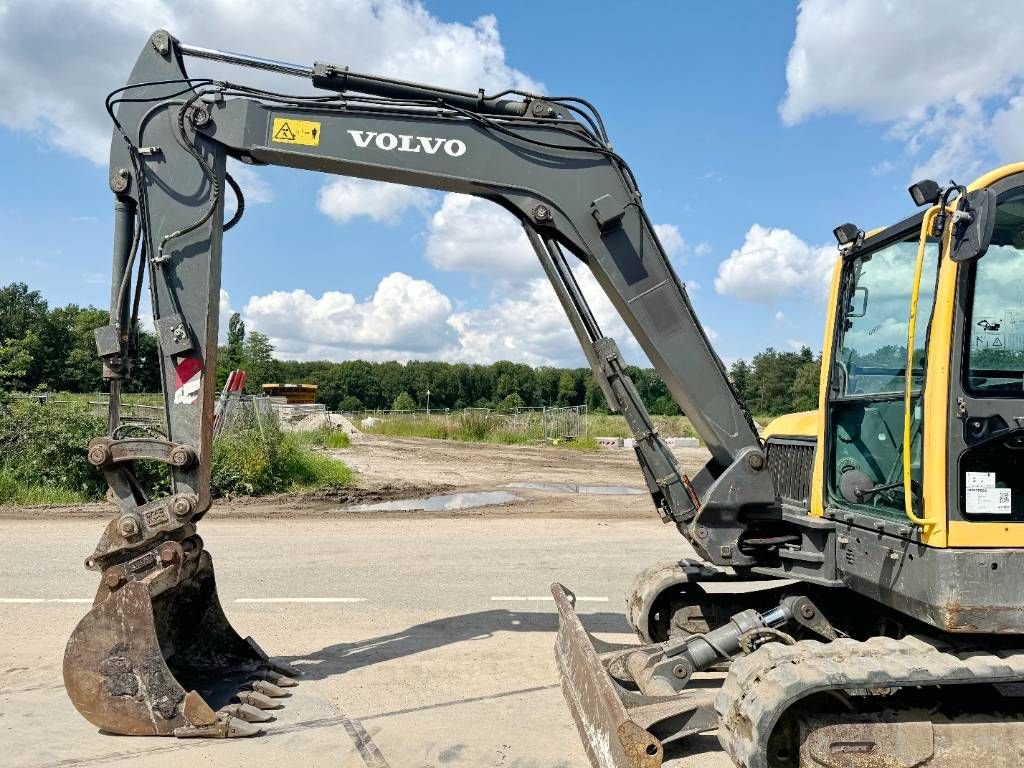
<point x="873" y="347"/>
<point x="995" y="331"/>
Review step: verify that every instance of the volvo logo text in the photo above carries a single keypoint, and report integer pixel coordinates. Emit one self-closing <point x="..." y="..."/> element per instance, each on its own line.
<point x="405" y="143"/>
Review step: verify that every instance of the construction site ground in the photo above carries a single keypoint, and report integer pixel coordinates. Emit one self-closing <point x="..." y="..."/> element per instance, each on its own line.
<point x="425" y="638"/>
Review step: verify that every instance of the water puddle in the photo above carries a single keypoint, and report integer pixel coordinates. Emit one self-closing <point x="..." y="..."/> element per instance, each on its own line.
<point x="587" y="490"/>
<point x="441" y="503"/>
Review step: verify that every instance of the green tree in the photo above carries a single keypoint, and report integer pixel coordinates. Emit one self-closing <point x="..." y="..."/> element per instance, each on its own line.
<point x="665" y="406"/>
<point x="259" y="361"/>
<point x="594" y="395"/>
<point x="403" y="402"/>
<point x="772" y="379"/>
<point x="81" y="369"/>
<point x="740" y="375"/>
<point x="232" y="355"/>
<point x="27" y="338"/>
<point x="350" y="403"/>
<point x="504" y="387"/>
<point x="15" y="362"/>
<point x="511" y="402"/>
<point x="804" y="392"/>
<point x="567" y="390"/>
<point x="146" y="372"/>
<point x="547" y="385"/>
<point x="21" y="310"/>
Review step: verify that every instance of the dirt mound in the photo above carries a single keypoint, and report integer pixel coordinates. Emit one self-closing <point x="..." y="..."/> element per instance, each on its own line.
<point x="317" y="421"/>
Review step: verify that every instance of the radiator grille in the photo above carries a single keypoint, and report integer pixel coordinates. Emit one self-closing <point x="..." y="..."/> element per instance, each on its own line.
<point x="791" y="463"/>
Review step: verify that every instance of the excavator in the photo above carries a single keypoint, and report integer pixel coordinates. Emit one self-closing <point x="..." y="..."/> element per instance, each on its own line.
<point x="855" y="597"/>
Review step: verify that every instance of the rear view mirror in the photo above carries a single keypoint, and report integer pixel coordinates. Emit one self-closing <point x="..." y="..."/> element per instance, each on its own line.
<point x="972" y="234"/>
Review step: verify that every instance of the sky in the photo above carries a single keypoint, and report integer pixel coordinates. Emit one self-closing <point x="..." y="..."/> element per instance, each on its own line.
<point x="753" y="129"/>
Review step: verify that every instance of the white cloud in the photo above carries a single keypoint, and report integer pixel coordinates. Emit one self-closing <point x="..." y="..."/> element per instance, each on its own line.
<point x="411" y="319"/>
<point x="404" y="318"/>
<point x="60" y="97"/>
<point x="474" y="235"/>
<point x="1008" y="129"/>
<point x="254" y="187"/>
<point x="95" y="278"/>
<point x="529" y="325"/>
<point x="224" y="313"/>
<point x="346" y="198"/>
<point x="702" y="248"/>
<point x="774" y="264"/>
<point x="882" y="168"/>
<point x="471" y="234"/>
<point x="932" y="75"/>
<point x="671" y="239"/>
<point x="796" y="345"/>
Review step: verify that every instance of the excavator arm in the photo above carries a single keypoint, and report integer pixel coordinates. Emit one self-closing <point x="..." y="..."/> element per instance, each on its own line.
<point x="556" y="174"/>
<point x="547" y="161"/>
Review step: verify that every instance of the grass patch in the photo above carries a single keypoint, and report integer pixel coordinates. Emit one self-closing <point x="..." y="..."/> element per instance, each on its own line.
<point x="614" y="425"/>
<point x="585" y="443"/>
<point x="468" y="426"/>
<point x="257" y="458"/>
<point x="14" y="491"/>
<point x="325" y="437"/>
<point x="43" y="457"/>
<point x="478" y="427"/>
<point x="471" y="426"/>
<point x="306" y="469"/>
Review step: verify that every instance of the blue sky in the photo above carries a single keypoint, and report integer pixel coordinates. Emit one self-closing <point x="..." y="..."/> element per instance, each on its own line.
<point x="753" y="131"/>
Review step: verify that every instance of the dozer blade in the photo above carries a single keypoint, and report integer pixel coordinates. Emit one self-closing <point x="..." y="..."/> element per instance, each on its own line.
<point x="619" y="728"/>
<point x="155" y="655"/>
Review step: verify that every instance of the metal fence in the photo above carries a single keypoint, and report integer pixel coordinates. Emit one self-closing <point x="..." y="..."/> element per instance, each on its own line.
<point x="565" y="423"/>
<point x="243" y="411"/>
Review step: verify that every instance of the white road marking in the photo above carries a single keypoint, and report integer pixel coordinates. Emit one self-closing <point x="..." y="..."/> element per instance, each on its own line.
<point x="549" y="598"/>
<point x="300" y="600"/>
<point x="34" y="600"/>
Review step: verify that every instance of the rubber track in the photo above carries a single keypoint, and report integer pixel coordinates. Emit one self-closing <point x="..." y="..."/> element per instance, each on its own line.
<point x="762" y="686"/>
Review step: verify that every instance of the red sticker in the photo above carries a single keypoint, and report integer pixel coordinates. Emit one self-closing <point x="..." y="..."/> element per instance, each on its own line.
<point x="188" y="376"/>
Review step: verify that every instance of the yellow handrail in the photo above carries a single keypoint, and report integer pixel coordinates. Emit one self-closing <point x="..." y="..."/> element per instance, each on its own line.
<point x="908" y="498"/>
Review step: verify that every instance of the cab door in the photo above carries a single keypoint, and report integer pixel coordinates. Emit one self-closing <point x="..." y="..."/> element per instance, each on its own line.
<point x="868" y="374"/>
<point x="985" y="486"/>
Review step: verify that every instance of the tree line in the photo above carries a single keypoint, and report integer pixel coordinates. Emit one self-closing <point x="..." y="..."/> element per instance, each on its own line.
<point x="54" y="349"/>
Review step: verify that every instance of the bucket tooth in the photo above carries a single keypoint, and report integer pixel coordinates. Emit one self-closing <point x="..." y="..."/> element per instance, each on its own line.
<point x="273" y="665"/>
<point x="155" y="655"/>
<point x="281" y="681"/>
<point x="224" y="727"/>
<point x="259" y="700"/>
<point x="282" y="668"/>
<point x="268" y="689"/>
<point x="246" y="712"/>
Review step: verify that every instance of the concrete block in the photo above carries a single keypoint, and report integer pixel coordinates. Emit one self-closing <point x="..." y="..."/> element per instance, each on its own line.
<point x="683" y="442"/>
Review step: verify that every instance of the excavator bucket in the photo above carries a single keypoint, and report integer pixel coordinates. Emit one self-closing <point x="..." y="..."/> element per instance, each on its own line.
<point x="619" y="727"/>
<point x="156" y="656"/>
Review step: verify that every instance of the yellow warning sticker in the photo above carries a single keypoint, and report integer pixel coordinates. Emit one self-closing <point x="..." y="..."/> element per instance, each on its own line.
<point x="287" y="130"/>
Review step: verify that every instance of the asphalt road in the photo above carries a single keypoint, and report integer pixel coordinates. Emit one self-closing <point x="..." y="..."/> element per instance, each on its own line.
<point x="424" y="642"/>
